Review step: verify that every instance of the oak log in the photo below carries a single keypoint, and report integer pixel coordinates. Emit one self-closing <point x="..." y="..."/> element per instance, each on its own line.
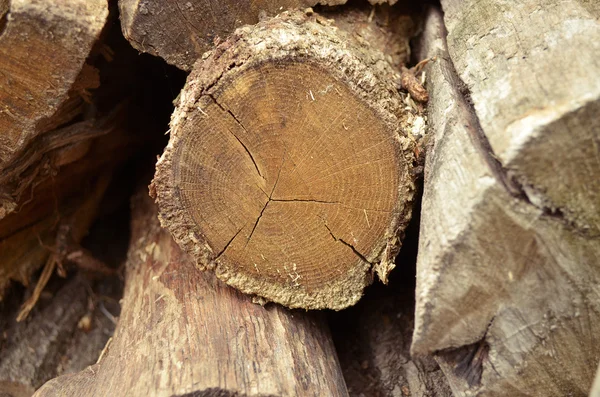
<point x="43" y="81"/>
<point x="289" y="166"/>
<point x="183" y="332"/>
<point x="507" y="291"/>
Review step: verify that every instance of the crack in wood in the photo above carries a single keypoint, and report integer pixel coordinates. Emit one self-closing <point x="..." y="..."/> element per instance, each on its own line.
<point x="268" y="201"/>
<point x="229" y="243"/>
<point x="482" y="145"/>
<point x="361" y="256"/>
<point x="235" y="136"/>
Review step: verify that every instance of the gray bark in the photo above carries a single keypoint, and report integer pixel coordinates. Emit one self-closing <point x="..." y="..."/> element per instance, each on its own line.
<point x="507" y="288"/>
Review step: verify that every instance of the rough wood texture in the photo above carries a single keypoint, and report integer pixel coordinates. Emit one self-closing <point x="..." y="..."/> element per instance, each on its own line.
<point x="43" y="77"/>
<point x="373" y="341"/>
<point x="181" y="31"/>
<point x="53" y="341"/>
<point x="288" y="169"/>
<point x="56" y="214"/>
<point x="384" y="28"/>
<point x="183" y="332"/>
<point x="507" y="293"/>
<point x="522" y="63"/>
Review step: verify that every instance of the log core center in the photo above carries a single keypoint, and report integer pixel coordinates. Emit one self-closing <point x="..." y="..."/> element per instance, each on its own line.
<point x="288" y="175"/>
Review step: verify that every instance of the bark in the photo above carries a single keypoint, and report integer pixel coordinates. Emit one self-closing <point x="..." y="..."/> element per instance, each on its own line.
<point x="181" y="31"/>
<point x="537" y="106"/>
<point x="292" y="141"/>
<point x="44" y="82"/>
<point x="506" y="290"/>
<point x="62" y="336"/>
<point x="183" y="332"/>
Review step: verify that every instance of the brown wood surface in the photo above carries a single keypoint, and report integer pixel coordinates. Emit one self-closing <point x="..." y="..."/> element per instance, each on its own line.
<point x="55" y="216"/>
<point x="181" y="31"/>
<point x="43" y="82"/>
<point x="506" y="294"/>
<point x="183" y="332"/>
<point x="290" y="173"/>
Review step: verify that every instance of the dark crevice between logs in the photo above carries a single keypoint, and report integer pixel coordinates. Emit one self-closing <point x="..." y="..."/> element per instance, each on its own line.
<point x="373" y="337"/>
<point x="4" y="10"/>
<point x="468" y="361"/>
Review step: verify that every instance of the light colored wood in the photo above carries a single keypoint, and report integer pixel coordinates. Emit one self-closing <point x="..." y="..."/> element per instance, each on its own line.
<point x="532" y="71"/>
<point x="290" y="173"/>
<point x="183" y="332"/>
<point x="595" y="392"/>
<point x="507" y="293"/>
<point x="43" y="49"/>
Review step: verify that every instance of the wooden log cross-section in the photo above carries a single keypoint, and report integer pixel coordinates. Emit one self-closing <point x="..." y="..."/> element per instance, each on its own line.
<point x="288" y="170"/>
<point x="184" y="333"/>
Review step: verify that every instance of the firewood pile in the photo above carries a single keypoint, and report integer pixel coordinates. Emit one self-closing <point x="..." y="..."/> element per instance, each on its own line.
<point x="299" y="198"/>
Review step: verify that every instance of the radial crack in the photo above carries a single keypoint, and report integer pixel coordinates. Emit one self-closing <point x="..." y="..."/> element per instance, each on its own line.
<point x="229" y="243"/>
<point x="256" y="223"/>
<point x="361" y="256"/>
<point x="268" y="201"/>
<point x="236" y="137"/>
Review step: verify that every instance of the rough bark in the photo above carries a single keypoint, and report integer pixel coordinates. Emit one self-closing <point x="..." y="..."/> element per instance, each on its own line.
<point x="507" y="294"/>
<point x="288" y="169"/>
<point x="63" y="335"/>
<point x="183" y="332"/>
<point x="537" y="105"/>
<point x="43" y="83"/>
<point x="181" y="31"/>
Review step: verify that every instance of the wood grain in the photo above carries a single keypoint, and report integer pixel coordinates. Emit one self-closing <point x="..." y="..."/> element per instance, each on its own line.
<point x="183" y="332"/>
<point x="507" y="292"/>
<point x="290" y="173"/>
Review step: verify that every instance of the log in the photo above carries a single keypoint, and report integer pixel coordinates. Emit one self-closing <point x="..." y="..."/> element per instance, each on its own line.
<point x="55" y="216"/>
<point x="506" y="290"/>
<point x="181" y="31"/>
<point x="44" y="78"/>
<point x="373" y="340"/>
<point x="183" y="332"/>
<point x="536" y="104"/>
<point x="61" y="336"/>
<point x="288" y="169"/>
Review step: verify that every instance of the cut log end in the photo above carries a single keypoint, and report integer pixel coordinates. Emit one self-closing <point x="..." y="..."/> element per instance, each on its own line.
<point x="282" y="172"/>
